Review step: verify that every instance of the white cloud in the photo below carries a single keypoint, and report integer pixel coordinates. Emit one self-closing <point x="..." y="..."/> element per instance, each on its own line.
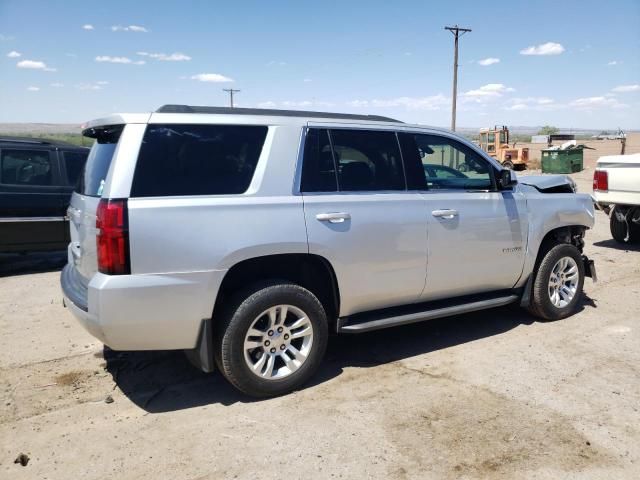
<point x="14" y="54"/>
<point x="130" y="28"/>
<point x="488" y="90"/>
<point x="173" y="57"/>
<point x="532" y="103"/>
<point x="109" y="59"/>
<point x="303" y="103"/>
<point x="485" y="62"/>
<point x="57" y="84"/>
<point x="534" y="100"/>
<point x="71" y="55"/>
<point x="102" y="82"/>
<point x="88" y="86"/>
<point x="273" y="62"/>
<point x="434" y="102"/>
<point x="211" y="77"/>
<point x="549" y="48"/>
<point x="407" y="54"/>
<point x="295" y="104"/>
<point x="34" y="65"/>
<point x="307" y="80"/>
<point x="613" y="62"/>
<point x="626" y="88"/>
<point x="268" y="104"/>
<point x="33" y="89"/>
<point x="518" y="106"/>
<point x="87" y="26"/>
<point x="589" y="103"/>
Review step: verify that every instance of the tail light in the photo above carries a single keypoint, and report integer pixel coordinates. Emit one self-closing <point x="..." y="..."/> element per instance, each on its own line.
<point x="600" y="180"/>
<point x="112" y="239"/>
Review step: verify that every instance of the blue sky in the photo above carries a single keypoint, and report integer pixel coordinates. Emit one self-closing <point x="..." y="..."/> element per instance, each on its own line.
<point x="566" y="63"/>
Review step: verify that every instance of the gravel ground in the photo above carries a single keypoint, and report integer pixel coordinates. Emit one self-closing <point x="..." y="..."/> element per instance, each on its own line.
<point x="493" y="394"/>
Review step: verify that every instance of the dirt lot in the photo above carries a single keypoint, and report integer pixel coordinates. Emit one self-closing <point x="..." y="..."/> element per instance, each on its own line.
<point x="597" y="148"/>
<point x="492" y="394"/>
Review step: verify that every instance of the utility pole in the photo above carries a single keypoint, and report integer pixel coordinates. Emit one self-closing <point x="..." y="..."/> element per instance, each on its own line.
<point x="231" y="92"/>
<point x="457" y="33"/>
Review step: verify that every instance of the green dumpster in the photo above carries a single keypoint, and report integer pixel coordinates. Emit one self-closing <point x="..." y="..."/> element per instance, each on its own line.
<point x="569" y="160"/>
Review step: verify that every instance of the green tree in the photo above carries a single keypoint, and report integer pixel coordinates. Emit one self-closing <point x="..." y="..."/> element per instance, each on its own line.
<point x="548" y="130"/>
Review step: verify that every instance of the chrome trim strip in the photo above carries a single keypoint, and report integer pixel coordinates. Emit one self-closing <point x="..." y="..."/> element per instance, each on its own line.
<point x="428" y="315"/>
<point x="31" y="219"/>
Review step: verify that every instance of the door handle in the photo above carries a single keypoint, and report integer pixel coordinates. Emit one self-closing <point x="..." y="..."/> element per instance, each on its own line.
<point x="445" y="213"/>
<point x="337" y="217"/>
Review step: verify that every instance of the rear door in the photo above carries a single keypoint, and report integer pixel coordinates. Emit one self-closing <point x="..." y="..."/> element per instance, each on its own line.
<point x="85" y="199"/>
<point x="361" y="218"/>
<point x="477" y="234"/>
<point x="31" y="208"/>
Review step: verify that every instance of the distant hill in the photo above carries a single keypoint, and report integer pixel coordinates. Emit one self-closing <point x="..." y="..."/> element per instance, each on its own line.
<point x="39" y="128"/>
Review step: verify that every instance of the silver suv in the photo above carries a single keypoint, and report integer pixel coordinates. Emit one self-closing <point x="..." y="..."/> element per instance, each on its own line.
<point x="245" y="236"/>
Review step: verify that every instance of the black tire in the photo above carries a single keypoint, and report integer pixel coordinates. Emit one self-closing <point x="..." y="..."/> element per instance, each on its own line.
<point x="541" y="305"/>
<point x="238" y="317"/>
<point x="618" y="228"/>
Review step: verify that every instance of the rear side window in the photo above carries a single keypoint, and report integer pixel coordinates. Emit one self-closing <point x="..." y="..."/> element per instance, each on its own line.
<point x="197" y="159"/>
<point x="367" y="160"/>
<point x="318" y="171"/>
<point x="74" y="163"/>
<point x="358" y="160"/>
<point x="92" y="181"/>
<point x="26" y="167"/>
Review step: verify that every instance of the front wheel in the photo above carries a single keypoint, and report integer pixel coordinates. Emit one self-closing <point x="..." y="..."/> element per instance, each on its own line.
<point x="272" y="339"/>
<point x="558" y="283"/>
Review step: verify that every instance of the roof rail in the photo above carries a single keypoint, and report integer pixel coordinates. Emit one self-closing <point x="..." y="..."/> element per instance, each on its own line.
<point x="270" y="112"/>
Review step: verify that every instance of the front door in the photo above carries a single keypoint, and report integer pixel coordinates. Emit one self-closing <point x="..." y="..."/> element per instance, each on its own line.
<point x="477" y="234"/>
<point x="361" y="217"/>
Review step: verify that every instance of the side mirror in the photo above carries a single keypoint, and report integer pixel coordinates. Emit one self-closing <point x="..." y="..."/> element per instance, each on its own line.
<point x="506" y="179"/>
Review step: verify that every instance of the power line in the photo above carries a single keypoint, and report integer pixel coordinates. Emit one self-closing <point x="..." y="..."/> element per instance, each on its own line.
<point x="457" y="33"/>
<point x="231" y="92"/>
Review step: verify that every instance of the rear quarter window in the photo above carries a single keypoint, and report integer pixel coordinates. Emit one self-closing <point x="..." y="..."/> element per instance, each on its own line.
<point x="177" y="160"/>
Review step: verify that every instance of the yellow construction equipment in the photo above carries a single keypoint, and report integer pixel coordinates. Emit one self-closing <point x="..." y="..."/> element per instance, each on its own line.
<point x="495" y="141"/>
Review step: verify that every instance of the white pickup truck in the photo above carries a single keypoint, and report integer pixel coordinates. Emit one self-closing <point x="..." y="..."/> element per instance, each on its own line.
<point x="616" y="191"/>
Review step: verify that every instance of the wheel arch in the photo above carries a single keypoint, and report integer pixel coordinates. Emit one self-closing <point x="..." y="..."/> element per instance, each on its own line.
<point x="313" y="272"/>
<point x="569" y="234"/>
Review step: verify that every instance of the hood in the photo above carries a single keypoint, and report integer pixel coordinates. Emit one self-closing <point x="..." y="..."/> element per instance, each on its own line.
<point x="549" y="183"/>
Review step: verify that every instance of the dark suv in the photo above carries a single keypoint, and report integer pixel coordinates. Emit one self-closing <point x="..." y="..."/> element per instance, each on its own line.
<point x="36" y="181"/>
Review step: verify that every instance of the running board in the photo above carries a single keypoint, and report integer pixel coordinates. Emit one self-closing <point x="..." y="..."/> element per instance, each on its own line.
<point x="373" y="321"/>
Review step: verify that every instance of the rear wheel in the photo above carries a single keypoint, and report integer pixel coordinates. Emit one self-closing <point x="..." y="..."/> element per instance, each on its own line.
<point x="623" y="231"/>
<point x="618" y="228"/>
<point x="558" y="283"/>
<point x="272" y="339"/>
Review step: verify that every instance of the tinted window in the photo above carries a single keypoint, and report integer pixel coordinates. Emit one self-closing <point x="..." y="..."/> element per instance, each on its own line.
<point x="74" y="163"/>
<point x="367" y="160"/>
<point x="318" y="168"/>
<point x="197" y="159"/>
<point x="26" y="167"/>
<point x="99" y="160"/>
<point x="446" y="164"/>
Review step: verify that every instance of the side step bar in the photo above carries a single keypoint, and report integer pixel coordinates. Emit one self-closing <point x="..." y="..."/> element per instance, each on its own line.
<point x="378" y="321"/>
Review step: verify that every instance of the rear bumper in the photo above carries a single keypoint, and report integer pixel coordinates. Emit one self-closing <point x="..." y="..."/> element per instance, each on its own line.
<point x="143" y="312"/>
<point x="75" y="299"/>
